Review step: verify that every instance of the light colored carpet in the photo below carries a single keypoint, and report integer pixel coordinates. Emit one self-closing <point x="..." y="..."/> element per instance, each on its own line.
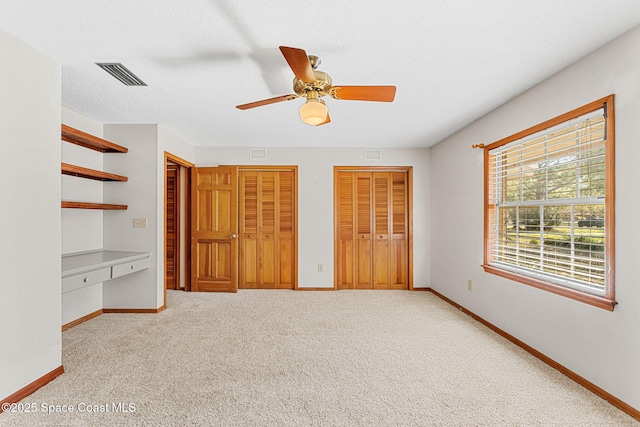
<point x="285" y="358"/>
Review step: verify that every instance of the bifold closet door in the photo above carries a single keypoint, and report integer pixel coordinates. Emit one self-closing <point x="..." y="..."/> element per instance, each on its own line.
<point x="354" y="230"/>
<point x="372" y="230"/>
<point x="391" y="243"/>
<point x="266" y="229"/>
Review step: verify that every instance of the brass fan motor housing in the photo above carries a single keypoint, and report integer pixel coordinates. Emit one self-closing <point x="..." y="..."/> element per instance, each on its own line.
<point x="322" y="85"/>
<point x="313" y="84"/>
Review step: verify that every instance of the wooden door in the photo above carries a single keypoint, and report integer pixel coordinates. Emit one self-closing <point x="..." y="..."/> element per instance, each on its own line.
<point x="381" y="222"/>
<point x="215" y="227"/>
<point x="172" y="222"/>
<point x="354" y="230"/>
<point x="267" y="229"/>
<point x="372" y="229"/>
<point x="391" y="249"/>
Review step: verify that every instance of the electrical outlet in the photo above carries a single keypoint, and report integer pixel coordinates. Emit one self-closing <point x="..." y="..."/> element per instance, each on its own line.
<point x="139" y="222"/>
<point x="469" y="285"/>
<point x="320" y="268"/>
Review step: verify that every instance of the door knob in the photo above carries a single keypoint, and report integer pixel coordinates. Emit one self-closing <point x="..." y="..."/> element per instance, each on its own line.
<point x="234" y="236"/>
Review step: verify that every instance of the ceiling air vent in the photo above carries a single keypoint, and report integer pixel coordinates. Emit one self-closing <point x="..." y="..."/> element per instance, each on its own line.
<point x="121" y="73"/>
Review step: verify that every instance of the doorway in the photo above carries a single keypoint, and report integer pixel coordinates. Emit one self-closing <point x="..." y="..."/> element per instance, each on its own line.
<point x="177" y="219"/>
<point x="373" y="227"/>
<point x="173" y="230"/>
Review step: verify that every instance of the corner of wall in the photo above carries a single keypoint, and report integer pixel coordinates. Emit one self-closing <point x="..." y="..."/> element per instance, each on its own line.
<point x="139" y="193"/>
<point x="30" y="83"/>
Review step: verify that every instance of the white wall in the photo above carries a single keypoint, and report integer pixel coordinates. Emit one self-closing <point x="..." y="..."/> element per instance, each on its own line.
<point x="315" y="200"/>
<point x="171" y="143"/>
<point x="139" y="164"/>
<point x="30" y="283"/>
<point x="601" y="346"/>
<point x="144" y="195"/>
<point x="81" y="228"/>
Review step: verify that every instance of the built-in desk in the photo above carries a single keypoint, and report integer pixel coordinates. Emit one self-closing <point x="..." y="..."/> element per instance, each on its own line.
<point x="88" y="268"/>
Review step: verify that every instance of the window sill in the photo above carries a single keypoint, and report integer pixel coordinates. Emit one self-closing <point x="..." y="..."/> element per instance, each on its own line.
<point x="597" y="301"/>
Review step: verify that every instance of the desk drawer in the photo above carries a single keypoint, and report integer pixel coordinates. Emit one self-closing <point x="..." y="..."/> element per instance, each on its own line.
<point x="78" y="281"/>
<point x="129" y="267"/>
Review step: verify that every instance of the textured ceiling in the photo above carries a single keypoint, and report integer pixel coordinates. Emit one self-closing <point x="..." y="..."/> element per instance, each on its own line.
<point x="451" y="60"/>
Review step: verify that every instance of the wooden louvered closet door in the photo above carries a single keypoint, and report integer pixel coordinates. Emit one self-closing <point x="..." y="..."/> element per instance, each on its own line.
<point x="267" y="215"/>
<point x="372" y="230"/>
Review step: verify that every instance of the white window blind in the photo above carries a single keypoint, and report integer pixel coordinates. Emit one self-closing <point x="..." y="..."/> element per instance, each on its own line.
<point x="546" y="204"/>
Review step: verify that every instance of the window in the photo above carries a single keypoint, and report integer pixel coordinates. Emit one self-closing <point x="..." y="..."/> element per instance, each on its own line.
<point x="549" y="205"/>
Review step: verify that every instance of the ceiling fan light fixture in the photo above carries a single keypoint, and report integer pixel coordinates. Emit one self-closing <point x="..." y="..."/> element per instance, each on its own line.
<point x="314" y="111"/>
<point x="313" y="84"/>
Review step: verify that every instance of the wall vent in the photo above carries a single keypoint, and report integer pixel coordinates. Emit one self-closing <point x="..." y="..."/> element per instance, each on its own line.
<point x="257" y="154"/>
<point x="121" y="73"/>
<point x="372" y="154"/>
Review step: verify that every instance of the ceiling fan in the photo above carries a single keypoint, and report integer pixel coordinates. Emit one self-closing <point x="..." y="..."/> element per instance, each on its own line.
<point x="314" y="84"/>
